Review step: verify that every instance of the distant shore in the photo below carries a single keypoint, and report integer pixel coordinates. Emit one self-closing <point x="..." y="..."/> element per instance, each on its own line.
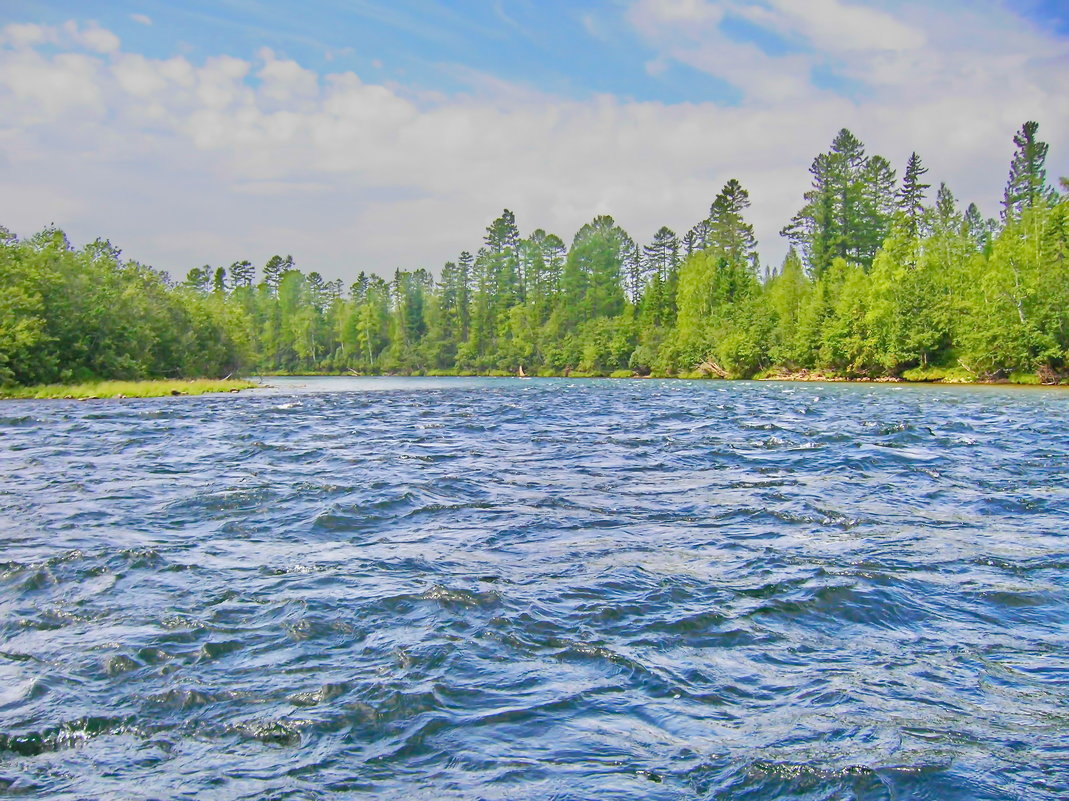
<point x="98" y="390"/>
<point x="929" y="376"/>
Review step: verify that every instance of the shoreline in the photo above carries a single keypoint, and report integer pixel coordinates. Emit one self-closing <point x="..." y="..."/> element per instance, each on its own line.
<point x="124" y="390"/>
<point x="162" y="388"/>
<point x="1025" y="380"/>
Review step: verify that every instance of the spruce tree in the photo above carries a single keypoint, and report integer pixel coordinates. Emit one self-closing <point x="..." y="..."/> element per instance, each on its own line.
<point x="911" y="196"/>
<point x="729" y="233"/>
<point x="1027" y="184"/>
<point x="877" y="207"/>
<point x="976" y="228"/>
<point x="947" y="218"/>
<point x="837" y="218"/>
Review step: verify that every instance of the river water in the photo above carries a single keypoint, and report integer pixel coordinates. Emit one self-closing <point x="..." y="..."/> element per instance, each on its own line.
<point x="542" y="589"/>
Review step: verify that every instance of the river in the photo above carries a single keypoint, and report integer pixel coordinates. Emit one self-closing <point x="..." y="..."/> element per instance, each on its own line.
<point x="537" y="589"/>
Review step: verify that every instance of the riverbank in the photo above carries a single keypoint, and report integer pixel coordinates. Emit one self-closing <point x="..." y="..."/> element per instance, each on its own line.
<point x="919" y="376"/>
<point x="126" y="389"/>
<point x="914" y="376"/>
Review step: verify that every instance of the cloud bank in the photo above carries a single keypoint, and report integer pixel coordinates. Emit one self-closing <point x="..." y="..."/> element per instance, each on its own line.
<point x="184" y="162"/>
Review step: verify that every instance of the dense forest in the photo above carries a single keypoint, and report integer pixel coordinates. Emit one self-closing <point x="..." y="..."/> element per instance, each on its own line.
<point x="884" y="278"/>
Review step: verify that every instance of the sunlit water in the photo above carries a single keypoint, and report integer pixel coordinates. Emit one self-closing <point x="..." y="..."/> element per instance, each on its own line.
<point x="543" y="589"/>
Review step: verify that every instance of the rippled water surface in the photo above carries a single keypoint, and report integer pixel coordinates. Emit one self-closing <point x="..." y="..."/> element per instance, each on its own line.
<point x="544" y="589"/>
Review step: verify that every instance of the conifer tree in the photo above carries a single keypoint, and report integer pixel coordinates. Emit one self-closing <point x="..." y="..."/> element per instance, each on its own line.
<point x="947" y="218"/>
<point x="976" y="228"/>
<point x="1027" y="184"/>
<point x="199" y="278"/>
<point x="729" y="233"/>
<point x="836" y="220"/>
<point x="877" y="207"/>
<point x="911" y="196"/>
<point x="241" y="274"/>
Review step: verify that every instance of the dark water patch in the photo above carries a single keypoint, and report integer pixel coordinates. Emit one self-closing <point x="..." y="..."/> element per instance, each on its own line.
<point x="69" y="734"/>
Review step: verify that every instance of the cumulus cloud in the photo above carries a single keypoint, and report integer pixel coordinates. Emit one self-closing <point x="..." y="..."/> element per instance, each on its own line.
<point x="91" y="36"/>
<point x="27" y="35"/>
<point x="184" y="162"/>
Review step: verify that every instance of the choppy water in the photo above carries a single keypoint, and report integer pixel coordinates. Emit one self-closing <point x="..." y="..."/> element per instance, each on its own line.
<point x="505" y="589"/>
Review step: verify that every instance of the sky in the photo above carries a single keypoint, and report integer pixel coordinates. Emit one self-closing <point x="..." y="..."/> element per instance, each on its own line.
<point x="366" y="135"/>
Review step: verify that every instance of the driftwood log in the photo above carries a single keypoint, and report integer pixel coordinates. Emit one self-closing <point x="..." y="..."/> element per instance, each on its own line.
<point x="711" y="367"/>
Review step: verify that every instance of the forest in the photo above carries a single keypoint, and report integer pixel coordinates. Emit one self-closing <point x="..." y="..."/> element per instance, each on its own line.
<point x="885" y="278"/>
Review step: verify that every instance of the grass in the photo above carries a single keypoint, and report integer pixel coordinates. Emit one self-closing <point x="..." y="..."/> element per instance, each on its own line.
<point x="127" y="389"/>
<point x="1031" y="379"/>
<point x="946" y="375"/>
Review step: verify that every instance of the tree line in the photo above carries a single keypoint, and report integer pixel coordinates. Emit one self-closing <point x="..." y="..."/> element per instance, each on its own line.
<point x="883" y="278"/>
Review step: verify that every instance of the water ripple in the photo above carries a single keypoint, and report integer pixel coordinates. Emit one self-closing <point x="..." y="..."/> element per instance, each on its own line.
<point x="560" y="589"/>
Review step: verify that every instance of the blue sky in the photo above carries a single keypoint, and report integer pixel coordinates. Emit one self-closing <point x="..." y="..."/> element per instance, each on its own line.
<point x="447" y="112"/>
<point x="565" y="48"/>
<point x="570" y="48"/>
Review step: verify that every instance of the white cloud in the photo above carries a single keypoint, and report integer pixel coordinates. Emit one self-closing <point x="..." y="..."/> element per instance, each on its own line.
<point x="687" y="12"/>
<point x="92" y="37"/>
<point x="285" y="81"/>
<point x="41" y="88"/>
<point x="834" y="25"/>
<point x="26" y="35"/>
<point x="142" y="19"/>
<point x="183" y="163"/>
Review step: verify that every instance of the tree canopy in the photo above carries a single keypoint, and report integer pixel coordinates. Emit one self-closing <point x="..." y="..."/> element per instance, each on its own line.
<point x="880" y="280"/>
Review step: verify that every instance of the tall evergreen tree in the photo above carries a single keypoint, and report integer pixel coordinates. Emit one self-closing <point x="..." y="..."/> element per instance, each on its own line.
<point x="947" y="218"/>
<point x="633" y="269"/>
<point x="837" y="218"/>
<point x="877" y="207"/>
<point x="275" y="269"/>
<point x="729" y="233"/>
<point x="241" y="274"/>
<point x="199" y="278"/>
<point x="697" y="238"/>
<point x="911" y="195"/>
<point x="591" y="285"/>
<point x="1027" y="184"/>
<point x="661" y="256"/>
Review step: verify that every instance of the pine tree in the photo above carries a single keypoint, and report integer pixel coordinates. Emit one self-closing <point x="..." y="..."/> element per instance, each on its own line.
<point x="911" y="196"/>
<point x="1027" y="184"/>
<point x="837" y="218"/>
<point x="697" y="238"/>
<point x="241" y="274"/>
<point x="976" y="228"/>
<point x="465" y="267"/>
<point x="877" y="207"/>
<point x="632" y="267"/>
<point x="690" y="246"/>
<point x="947" y="218"/>
<point x="729" y="233"/>
<point x="275" y="270"/>
<point x="591" y="285"/>
<point x="199" y="278"/>
<point x="661" y="256"/>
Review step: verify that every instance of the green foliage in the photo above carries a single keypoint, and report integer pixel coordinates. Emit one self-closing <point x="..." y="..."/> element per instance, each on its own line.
<point x="1027" y="183"/>
<point x="877" y="283"/>
<point x="74" y="315"/>
<point x="847" y="209"/>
